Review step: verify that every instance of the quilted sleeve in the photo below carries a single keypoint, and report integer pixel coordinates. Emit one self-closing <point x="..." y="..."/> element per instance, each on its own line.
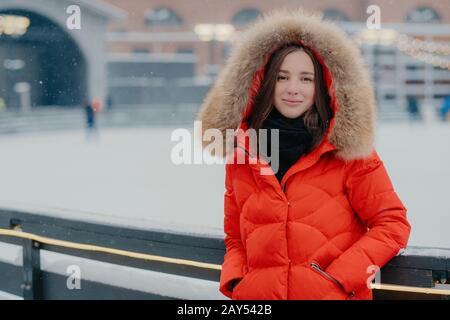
<point x="235" y="260"/>
<point x="371" y="194"/>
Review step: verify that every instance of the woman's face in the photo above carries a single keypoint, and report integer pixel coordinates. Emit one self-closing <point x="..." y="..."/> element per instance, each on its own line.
<point x="294" y="88"/>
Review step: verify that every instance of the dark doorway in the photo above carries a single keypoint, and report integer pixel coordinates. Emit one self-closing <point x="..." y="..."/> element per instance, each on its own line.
<point x="45" y="60"/>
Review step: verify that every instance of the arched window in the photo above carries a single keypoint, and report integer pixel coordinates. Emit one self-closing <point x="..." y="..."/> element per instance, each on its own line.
<point x="245" y="16"/>
<point x="423" y="15"/>
<point x="162" y="17"/>
<point x="334" y="15"/>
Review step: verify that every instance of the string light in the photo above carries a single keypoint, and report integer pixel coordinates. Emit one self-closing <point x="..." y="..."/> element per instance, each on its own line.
<point x="426" y="51"/>
<point x="428" y="46"/>
<point x="13" y="25"/>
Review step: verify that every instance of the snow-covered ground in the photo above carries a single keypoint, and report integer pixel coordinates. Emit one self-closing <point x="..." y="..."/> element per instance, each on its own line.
<point x="128" y="179"/>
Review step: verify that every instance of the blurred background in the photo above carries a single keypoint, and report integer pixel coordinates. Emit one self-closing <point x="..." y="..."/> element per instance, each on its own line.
<point x="90" y="96"/>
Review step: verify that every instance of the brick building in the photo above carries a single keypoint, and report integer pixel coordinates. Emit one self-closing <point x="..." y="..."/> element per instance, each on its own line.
<point x="171" y="30"/>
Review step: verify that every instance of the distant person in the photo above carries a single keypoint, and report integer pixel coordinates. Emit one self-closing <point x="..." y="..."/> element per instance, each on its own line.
<point x="109" y="103"/>
<point x="91" y="127"/>
<point x="413" y="109"/>
<point x="97" y="105"/>
<point x="2" y="105"/>
<point x="444" y="111"/>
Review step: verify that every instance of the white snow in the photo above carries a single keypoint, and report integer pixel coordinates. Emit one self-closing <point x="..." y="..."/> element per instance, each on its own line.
<point x="128" y="179"/>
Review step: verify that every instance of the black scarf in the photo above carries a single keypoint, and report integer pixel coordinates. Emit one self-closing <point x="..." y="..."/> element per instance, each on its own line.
<point x="294" y="139"/>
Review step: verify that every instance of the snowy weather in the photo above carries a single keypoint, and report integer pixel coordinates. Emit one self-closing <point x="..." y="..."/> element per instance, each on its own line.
<point x="127" y="178"/>
<point x="108" y="189"/>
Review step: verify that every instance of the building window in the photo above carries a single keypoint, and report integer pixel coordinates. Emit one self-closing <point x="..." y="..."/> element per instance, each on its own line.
<point x="334" y="15"/>
<point x="245" y="16"/>
<point x="140" y="50"/>
<point x="423" y="15"/>
<point x="185" y="50"/>
<point x="162" y="17"/>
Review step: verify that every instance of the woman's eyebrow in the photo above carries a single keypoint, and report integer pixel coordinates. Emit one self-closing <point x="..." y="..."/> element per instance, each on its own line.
<point x="302" y="72"/>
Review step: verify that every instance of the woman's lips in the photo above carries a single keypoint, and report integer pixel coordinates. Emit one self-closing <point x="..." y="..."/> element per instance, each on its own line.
<point x="292" y="102"/>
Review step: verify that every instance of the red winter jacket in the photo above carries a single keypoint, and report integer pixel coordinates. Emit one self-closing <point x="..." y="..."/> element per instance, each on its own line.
<point x="335" y="216"/>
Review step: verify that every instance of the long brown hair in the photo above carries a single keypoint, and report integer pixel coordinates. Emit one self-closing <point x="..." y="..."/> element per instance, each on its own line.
<point x="316" y="118"/>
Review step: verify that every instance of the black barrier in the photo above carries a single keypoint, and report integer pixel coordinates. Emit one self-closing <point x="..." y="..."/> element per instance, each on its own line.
<point x="418" y="273"/>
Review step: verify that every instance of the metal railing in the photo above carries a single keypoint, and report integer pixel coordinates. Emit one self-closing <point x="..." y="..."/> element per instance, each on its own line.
<point x="44" y="257"/>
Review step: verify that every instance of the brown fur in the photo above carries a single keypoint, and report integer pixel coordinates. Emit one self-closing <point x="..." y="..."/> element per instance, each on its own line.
<point x="353" y="132"/>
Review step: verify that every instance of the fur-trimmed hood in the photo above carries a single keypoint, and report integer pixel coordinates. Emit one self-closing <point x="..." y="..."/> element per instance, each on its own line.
<point x="351" y="130"/>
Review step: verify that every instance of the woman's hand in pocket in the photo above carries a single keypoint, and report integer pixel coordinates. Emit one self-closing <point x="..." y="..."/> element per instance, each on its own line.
<point x="233" y="283"/>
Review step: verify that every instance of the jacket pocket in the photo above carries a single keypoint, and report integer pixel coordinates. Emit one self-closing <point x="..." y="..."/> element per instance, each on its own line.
<point x="236" y="288"/>
<point x="238" y="285"/>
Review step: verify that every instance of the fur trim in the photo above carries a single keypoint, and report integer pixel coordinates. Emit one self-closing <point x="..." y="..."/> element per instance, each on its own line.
<point x="354" y="122"/>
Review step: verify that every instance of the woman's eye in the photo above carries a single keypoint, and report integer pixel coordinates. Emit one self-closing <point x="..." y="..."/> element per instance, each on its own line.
<point x="281" y="78"/>
<point x="307" y="79"/>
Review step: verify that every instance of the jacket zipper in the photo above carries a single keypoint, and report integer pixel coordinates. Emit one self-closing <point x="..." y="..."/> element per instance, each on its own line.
<point x="283" y="188"/>
<point x="319" y="269"/>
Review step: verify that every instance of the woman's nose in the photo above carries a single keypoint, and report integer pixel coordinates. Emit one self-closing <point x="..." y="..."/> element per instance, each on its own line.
<point x="293" y="88"/>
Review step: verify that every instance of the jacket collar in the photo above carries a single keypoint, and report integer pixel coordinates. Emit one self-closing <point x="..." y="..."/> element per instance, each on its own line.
<point x="262" y="168"/>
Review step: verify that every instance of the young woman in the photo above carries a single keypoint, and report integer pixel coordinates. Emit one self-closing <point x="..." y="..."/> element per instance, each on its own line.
<point x="327" y="216"/>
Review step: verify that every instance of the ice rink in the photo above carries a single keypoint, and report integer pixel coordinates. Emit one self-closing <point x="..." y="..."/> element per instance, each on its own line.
<point x="127" y="178"/>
